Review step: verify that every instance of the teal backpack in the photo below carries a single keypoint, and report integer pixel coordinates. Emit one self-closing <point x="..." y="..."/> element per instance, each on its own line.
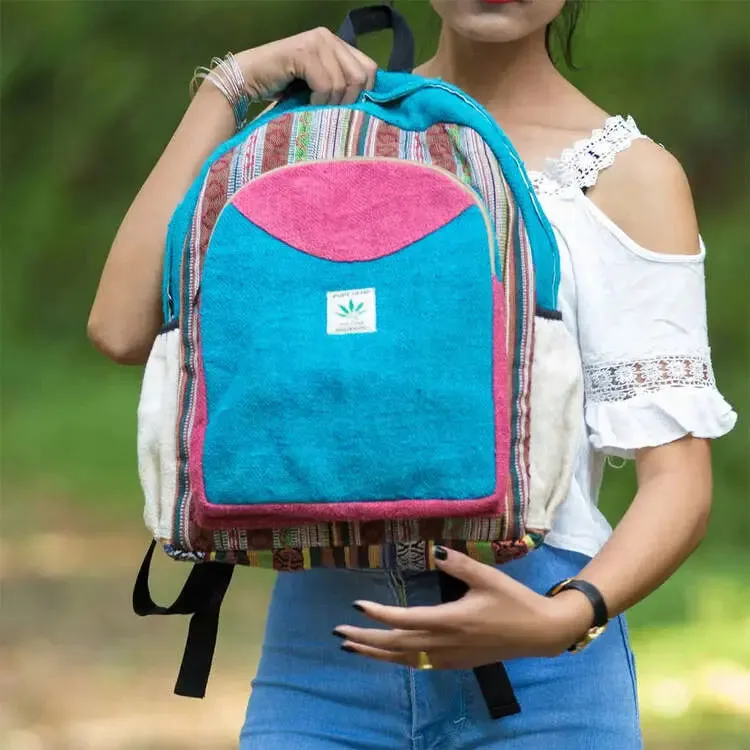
<point x="362" y="354"/>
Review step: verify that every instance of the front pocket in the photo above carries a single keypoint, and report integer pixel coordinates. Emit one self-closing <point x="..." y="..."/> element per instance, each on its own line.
<point x="353" y="351"/>
<point x="556" y="414"/>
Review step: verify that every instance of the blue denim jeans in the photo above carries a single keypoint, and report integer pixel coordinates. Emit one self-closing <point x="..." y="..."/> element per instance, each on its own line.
<point x="310" y="695"/>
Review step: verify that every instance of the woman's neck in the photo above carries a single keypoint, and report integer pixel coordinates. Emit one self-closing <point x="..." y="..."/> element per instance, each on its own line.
<point x="513" y="78"/>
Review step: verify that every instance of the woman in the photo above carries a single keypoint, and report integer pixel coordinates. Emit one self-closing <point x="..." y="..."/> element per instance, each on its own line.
<point x="631" y="293"/>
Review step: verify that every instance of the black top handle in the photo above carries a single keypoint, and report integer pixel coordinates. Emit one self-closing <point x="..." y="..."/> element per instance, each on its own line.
<point x="373" y="18"/>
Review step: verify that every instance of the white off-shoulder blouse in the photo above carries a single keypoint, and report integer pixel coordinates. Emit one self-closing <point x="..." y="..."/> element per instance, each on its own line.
<point x="639" y="318"/>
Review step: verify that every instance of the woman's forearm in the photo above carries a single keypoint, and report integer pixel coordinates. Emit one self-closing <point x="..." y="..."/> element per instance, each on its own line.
<point x="127" y="310"/>
<point x="662" y="527"/>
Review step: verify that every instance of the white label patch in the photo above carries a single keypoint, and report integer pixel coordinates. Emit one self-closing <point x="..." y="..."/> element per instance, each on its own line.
<point x="351" y="311"/>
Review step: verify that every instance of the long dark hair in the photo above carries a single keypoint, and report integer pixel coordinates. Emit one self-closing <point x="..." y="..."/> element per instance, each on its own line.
<point x="563" y="28"/>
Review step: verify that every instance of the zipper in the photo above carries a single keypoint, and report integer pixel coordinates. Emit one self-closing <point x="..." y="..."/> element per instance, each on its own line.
<point x="400" y="586"/>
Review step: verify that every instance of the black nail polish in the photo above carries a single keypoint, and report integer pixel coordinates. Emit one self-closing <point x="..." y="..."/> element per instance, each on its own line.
<point x="440" y="553"/>
<point x="338" y="635"/>
<point x="358" y="607"/>
<point x="348" y="649"/>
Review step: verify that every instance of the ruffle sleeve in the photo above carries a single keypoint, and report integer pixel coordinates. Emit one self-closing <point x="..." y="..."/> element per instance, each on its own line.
<point x="627" y="409"/>
<point x="648" y="375"/>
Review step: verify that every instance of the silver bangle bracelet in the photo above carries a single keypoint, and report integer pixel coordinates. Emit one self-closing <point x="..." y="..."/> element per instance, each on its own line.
<point x="227" y="76"/>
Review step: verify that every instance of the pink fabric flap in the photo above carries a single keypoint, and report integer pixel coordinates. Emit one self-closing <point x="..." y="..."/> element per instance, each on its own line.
<point x="315" y="207"/>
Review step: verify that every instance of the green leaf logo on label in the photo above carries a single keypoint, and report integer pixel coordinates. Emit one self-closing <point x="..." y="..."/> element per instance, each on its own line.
<point x="351" y="311"/>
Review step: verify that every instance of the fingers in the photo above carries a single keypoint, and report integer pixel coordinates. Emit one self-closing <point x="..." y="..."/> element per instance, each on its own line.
<point x="406" y="658"/>
<point x="456" y="658"/>
<point x="393" y="657"/>
<point x="356" y="74"/>
<point x="368" y="65"/>
<point x="438" y="618"/>
<point x="394" y="640"/>
<point x="478" y="575"/>
<point x="335" y="83"/>
<point x="335" y="72"/>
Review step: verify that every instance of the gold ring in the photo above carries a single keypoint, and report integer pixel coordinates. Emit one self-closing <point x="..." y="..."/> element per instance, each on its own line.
<point x="423" y="660"/>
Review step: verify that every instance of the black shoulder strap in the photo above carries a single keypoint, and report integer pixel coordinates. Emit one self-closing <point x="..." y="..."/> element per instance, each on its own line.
<point x="201" y="597"/>
<point x="492" y="678"/>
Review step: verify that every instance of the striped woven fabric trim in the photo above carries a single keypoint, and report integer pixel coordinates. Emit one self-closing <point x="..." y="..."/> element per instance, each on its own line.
<point x="212" y="199"/>
<point x="417" y="557"/>
<point x="337" y="133"/>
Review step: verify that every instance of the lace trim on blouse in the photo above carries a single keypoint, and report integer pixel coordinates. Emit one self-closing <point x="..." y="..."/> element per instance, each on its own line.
<point x="579" y="166"/>
<point x="619" y="381"/>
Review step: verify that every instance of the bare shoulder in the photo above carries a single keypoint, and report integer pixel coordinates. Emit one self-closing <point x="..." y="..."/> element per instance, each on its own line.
<point x="647" y="194"/>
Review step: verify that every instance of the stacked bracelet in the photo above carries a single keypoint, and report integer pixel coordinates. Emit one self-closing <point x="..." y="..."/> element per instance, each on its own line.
<point x="227" y="76"/>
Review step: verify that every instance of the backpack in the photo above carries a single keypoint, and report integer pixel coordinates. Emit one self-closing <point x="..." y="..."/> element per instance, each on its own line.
<point x="362" y="354"/>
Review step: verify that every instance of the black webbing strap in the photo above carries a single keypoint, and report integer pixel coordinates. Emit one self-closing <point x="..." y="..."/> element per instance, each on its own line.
<point x="492" y="678"/>
<point x="361" y="21"/>
<point x="201" y="597"/>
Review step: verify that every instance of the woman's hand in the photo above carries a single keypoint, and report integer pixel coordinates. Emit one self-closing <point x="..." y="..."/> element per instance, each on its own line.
<point x="497" y="619"/>
<point x="335" y="72"/>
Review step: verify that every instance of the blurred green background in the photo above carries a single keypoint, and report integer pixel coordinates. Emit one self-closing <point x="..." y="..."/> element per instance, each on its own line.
<point x="91" y="92"/>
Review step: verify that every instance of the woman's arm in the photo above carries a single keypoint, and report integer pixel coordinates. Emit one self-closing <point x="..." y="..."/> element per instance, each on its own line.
<point x="663" y="526"/>
<point x="126" y="313"/>
<point x="647" y="195"/>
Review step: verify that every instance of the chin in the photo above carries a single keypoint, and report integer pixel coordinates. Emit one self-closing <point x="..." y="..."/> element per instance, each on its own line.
<point x="491" y="30"/>
<point x="497" y="22"/>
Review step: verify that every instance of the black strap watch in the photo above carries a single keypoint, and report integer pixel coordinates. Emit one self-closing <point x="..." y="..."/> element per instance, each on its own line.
<point x="601" y="616"/>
